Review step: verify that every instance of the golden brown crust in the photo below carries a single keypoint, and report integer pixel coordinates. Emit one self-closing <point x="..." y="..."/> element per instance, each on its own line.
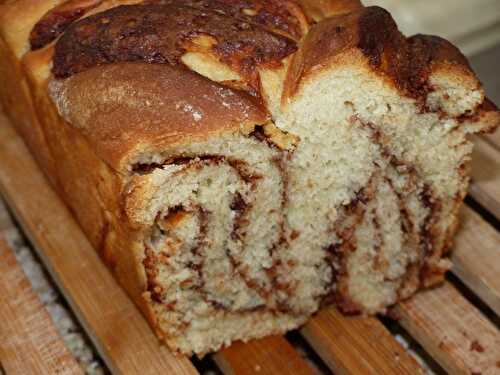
<point x="125" y="108"/>
<point x="14" y="89"/>
<point x="92" y="189"/>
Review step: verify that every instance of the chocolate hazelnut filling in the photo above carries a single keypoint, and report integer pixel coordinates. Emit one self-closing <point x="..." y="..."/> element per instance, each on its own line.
<point x="241" y="208"/>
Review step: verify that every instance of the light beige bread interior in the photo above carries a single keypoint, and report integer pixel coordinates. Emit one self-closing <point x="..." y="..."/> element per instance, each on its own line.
<point x="232" y="203"/>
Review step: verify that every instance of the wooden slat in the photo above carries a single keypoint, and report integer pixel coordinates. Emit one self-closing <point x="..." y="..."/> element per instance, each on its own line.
<point x="357" y="345"/>
<point x="485" y="187"/>
<point x="29" y="341"/>
<point x="476" y="257"/>
<point x="116" y="327"/>
<point x="271" y="355"/>
<point x="6" y="223"/>
<point x="452" y="331"/>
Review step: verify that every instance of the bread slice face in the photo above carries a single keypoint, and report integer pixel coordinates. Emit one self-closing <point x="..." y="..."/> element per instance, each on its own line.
<point x="236" y="181"/>
<point x="215" y="219"/>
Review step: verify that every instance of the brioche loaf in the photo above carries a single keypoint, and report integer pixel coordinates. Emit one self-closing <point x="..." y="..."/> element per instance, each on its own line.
<point x="240" y="163"/>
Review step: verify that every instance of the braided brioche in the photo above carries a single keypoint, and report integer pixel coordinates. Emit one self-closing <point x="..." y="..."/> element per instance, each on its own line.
<point x="239" y="164"/>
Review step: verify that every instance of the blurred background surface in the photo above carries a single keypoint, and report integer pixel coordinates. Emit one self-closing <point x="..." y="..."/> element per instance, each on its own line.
<point x="472" y="25"/>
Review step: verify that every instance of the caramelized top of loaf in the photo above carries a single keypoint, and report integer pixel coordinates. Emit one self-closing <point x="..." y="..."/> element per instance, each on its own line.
<point x="283" y="17"/>
<point x="162" y="34"/>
